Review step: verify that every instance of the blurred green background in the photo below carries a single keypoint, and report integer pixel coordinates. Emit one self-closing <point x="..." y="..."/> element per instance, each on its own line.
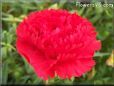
<point x="15" y="70"/>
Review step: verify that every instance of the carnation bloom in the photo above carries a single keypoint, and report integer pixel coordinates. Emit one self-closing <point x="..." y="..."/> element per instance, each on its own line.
<point x="56" y="42"/>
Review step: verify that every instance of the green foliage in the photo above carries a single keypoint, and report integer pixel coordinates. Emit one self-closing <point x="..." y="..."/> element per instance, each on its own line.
<point x="17" y="70"/>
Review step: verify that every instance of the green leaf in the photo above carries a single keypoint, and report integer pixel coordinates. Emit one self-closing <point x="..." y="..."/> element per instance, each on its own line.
<point x="98" y="54"/>
<point x="61" y="3"/>
<point x="54" y="6"/>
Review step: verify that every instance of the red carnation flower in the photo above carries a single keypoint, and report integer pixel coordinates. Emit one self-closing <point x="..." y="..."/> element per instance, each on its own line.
<point x="56" y="42"/>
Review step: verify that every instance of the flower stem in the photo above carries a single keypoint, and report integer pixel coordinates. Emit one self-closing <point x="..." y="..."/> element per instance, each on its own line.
<point x="46" y="82"/>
